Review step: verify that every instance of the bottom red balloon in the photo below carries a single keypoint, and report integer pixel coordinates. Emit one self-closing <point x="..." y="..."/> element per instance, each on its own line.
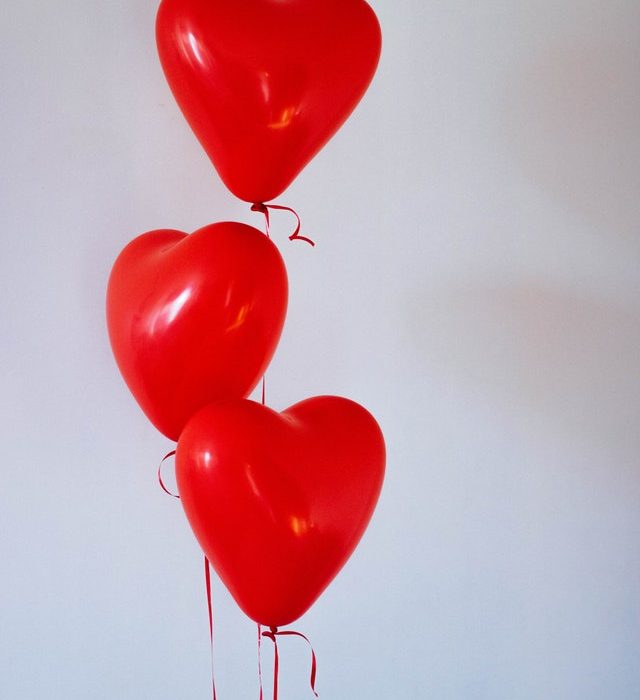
<point x="279" y="501"/>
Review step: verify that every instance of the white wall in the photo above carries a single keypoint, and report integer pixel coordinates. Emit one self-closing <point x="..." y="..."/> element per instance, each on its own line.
<point x="475" y="284"/>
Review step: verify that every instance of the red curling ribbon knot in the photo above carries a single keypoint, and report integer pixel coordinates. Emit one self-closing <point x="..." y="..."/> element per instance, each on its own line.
<point x="273" y="634"/>
<point x="160" y="481"/>
<point x="264" y="209"/>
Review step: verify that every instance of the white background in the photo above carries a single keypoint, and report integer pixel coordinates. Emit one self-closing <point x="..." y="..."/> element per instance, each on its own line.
<point x="475" y="284"/>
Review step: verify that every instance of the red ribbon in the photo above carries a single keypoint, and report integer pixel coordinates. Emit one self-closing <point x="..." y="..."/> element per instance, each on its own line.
<point x="207" y="578"/>
<point x="260" y="660"/>
<point x="264" y="209"/>
<point x="272" y="634"/>
<point x="164" y="488"/>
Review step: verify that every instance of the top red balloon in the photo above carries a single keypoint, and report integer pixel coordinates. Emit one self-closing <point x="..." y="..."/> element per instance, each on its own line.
<point x="265" y="84"/>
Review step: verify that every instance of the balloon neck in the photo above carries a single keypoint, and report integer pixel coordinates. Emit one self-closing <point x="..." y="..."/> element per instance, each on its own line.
<point x="259" y="207"/>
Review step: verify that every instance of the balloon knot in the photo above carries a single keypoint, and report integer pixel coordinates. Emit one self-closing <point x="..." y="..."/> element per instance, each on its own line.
<point x="259" y="207"/>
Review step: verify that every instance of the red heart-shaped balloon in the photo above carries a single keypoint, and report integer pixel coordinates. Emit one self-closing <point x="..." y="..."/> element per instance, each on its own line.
<point x="195" y="318"/>
<point x="279" y="501"/>
<point x="265" y="84"/>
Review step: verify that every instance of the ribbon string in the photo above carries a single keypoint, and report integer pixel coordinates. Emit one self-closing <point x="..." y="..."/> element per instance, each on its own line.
<point x="264" y="209"/>
<point x="207" y="578"/>
<point x="276" y="661"/>
<point x="160" y="481"/>
<point x="273" y="634"/>
<point x="260" y="660"/>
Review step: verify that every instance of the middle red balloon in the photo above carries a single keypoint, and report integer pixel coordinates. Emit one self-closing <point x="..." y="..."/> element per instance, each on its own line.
<point x="195" y="318"/>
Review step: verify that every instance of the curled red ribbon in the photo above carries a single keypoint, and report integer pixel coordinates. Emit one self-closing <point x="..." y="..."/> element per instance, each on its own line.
<point x="264" y="209"/>
<point x="161" y="482"/>
<point x="272" y="634"/>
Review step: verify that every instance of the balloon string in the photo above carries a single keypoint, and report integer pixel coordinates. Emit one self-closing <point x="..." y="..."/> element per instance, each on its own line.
<point x="264" y="209"/>
<point x="260" y="660"/>
<point x="272" y="635"/>
<point x="161" y="482"/>
<point x="207" y="578"/>
<point x="276" y="661"/>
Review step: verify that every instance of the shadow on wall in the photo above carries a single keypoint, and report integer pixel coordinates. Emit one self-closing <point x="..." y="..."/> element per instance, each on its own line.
<point x="573" y="361"/>
<point x="574" y="120"/>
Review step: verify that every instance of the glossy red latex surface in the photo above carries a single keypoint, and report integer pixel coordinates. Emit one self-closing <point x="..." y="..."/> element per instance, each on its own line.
<point x="195" y="318"/>
<point x="279" y="501"/>
<point x="264" y="84"/>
